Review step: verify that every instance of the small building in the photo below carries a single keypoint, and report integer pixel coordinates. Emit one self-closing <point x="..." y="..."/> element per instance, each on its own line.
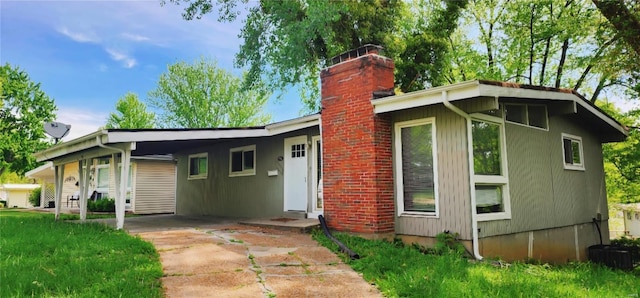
<point x="17" y="195"/>
<point x="631" y="218"/>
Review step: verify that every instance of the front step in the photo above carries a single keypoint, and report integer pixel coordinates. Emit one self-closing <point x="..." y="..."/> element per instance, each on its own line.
<point x="300" y="225"/>
<point x="295" y="214"/>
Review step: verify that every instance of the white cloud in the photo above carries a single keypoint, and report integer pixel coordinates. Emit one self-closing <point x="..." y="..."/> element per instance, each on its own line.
<point x="127" y="61"/>
<point x="79" y="37"/>
<point x="135" y="37"/>
<point x="82" y="121"/>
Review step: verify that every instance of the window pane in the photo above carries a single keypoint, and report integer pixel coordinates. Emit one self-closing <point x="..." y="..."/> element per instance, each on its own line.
<point x="537" y="116"/>
<point x="248" y="160"/>
<point x="516" y="113"/>
<point x="575" y="150"/>
<point x="486" y="148"/>
<point x="417" y="168"/>
<point x="236" y="161"/>
<point x="202" y="165"/>
<point x="489" y="199"/>
<point x="568" y="155"/>
<point x="103" y="178"/>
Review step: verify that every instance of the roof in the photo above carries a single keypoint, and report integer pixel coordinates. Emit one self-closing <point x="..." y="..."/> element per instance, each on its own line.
<point x="611" y="130"/>
<point x="19" y="186"/>
<point x="166" y="141"/>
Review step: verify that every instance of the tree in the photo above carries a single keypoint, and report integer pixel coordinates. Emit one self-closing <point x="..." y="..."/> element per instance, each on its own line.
<point x="201" y="95"/>
<point x="286" y="43"/>
<point x="131" y="113"/>
<point x="559" y="43"/>
<point x="622" y="160"/>
<point x="625" y="18"/>
<point x="23" y="110"/>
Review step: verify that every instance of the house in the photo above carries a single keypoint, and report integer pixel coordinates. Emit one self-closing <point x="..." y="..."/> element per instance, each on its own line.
<point x="516" y="171"/>
<point x="150" y="188"/>
<point x="631" y="218"/>
<point x="17" y="195"/>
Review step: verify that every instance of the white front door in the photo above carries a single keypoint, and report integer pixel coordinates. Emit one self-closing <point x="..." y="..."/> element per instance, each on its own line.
<point x="295" y="173"/>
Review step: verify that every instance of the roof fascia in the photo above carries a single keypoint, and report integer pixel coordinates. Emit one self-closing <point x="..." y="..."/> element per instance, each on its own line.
<point x="46" y="166"/>
<point x="75" y="145"/>
<point x="293" y="125"/>
<point x="150" y="136"/>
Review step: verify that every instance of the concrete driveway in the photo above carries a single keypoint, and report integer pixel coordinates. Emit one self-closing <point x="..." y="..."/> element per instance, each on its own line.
<point x="208" y="257"/>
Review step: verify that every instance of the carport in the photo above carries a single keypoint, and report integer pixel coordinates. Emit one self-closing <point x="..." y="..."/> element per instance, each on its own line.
<point x="119" y="145"/>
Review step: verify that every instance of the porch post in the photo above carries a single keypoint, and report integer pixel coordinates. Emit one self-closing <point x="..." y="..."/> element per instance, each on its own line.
<point x="58" y="177"/>
<point x="122" y="187"/>
<point x="85" y="176"/>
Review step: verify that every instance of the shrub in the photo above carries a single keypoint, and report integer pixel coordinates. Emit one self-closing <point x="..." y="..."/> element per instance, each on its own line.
<point x="102" y="205"/>
<point x="34" y="197"/>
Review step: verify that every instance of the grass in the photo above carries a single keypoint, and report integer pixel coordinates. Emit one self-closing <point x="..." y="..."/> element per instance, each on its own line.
<point x="40" y="257"/>
<point x="404" y="271"/>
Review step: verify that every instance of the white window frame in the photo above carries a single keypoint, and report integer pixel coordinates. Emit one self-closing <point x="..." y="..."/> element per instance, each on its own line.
<point x="491" y="180"/>
<point x="199" y="175"/>
<point x="398" y="167"/>
<point x="99" y="189"/>
<point x="247" y="172"/>
<point x="526" y="115"/>
<point x="572" y="166"/>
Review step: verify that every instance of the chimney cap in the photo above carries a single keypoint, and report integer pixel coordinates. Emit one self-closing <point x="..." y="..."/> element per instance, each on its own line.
<point x="361" y="51"/>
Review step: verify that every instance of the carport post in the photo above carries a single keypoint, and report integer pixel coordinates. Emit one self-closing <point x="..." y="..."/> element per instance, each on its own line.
<point x="121" y="186"/>
<point x="85" y="176"/>
<point x="58" y="176"/>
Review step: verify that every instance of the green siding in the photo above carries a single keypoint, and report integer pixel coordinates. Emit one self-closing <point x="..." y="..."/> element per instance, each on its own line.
<point x="246" y="196"/>
<point x="453" y="177"/>
<point x="543" y="194"/>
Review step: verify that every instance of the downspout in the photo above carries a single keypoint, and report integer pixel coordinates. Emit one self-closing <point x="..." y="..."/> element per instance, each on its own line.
<point x="123" y="154"/>
<point x="472" y="191"/>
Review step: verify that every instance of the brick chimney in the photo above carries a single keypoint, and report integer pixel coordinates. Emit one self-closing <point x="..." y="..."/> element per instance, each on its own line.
<point x="357" y="160"/>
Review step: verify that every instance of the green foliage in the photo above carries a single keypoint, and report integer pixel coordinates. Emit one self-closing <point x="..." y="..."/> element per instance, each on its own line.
<point x="42" y="257"/>
<point x="404" y="271"/>
<point x="23" y="110"/>
<point x="102" y="205"/>
<point x="626" y="242"/>
<point x="11" y="177"/>
<point x="131" y="113"/>
<point x="34" y="197"/>
<point x="201" y="95"/>
<point x="622" y="159"/>
<point x="287" y="42"/>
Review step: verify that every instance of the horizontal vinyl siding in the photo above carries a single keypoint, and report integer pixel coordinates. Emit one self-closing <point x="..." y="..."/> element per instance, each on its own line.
<point x="453" y="176"/>
<point x="155" y="187"/>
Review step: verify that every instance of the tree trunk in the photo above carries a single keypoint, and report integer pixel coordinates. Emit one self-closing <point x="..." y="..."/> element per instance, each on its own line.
<point x="531" y="47"/>
<point x="563" y="56"/>
<point x="596" y="92"/>
<point x="627" y="23"/>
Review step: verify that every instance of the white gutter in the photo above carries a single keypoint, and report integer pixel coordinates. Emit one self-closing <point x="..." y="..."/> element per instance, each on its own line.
<point x="472" y="191"/>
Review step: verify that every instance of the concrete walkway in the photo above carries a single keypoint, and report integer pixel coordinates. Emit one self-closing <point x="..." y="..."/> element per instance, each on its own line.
<point x="219" y="258"/>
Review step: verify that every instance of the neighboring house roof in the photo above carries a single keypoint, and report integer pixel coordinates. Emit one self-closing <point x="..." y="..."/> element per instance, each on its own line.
<point x="608" y="128"/>
<point x="164" y="141"/>
<point x="44" y="171"/>
<point x="629" y="207"/>
<point x="19" y="186"/>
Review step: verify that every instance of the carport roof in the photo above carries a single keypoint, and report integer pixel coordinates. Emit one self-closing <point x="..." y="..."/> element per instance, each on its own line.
<point x="162" y="141"/>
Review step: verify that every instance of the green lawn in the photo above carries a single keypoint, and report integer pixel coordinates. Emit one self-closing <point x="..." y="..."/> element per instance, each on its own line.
<point x="40" y="257"/>
<point x="404" y="271"/>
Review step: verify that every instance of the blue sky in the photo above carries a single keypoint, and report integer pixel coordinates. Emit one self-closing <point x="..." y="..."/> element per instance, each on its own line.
<point x="87" y="54"/>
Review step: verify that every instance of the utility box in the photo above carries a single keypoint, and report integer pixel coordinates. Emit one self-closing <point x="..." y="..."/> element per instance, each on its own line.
<point x="618" y="257"/>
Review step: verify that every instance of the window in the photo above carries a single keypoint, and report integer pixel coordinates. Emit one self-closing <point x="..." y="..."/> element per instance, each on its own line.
<point x="242" y="161"/>
<point x="198" y="165"/>
<point x="572" y="149"/>
<point x="416" y="165"/>
<point x="102" y="176"/>
<point x="491" y="182"/>
<point x="530" y="115"/>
